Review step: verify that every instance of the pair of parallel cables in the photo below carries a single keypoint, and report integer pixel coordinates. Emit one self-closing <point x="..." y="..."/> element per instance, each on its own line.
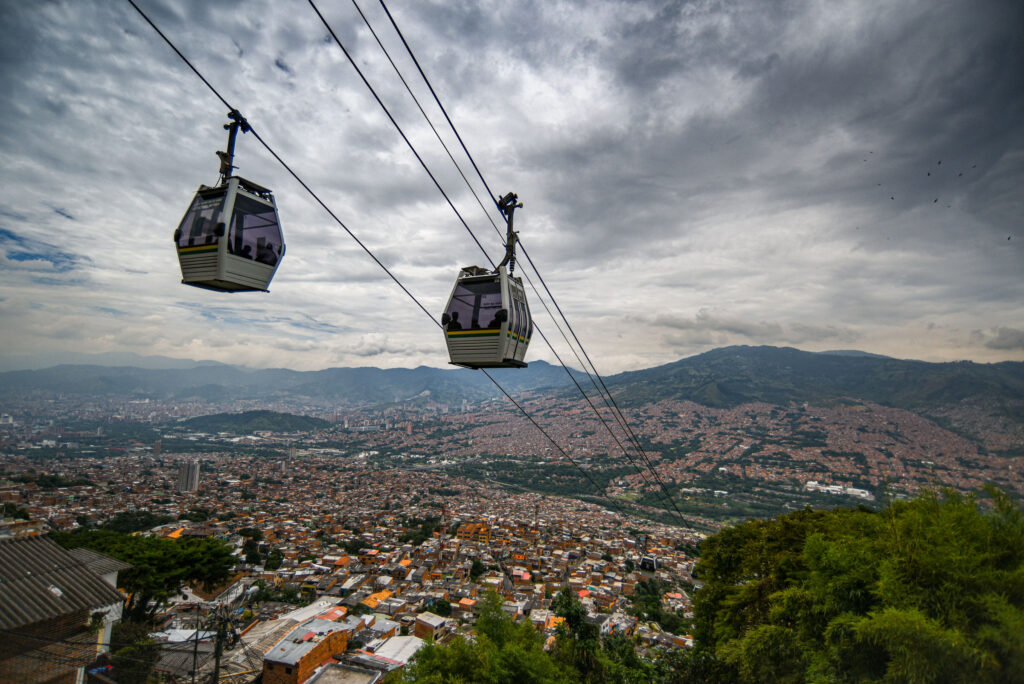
<point x="609" y="400"/>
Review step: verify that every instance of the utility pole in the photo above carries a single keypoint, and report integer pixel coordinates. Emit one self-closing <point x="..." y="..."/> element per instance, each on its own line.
<point x="195" y="648"/>
<point x="221" y="618"/>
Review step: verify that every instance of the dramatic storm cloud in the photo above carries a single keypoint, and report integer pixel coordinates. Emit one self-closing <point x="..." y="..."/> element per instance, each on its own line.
<point x="817" y="174"/>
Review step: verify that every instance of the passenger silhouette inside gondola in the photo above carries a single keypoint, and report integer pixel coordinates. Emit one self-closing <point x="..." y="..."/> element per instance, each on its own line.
<point x="265" y="252"/>
<point x="495" y="323"/>
<point x="454" y="323"/>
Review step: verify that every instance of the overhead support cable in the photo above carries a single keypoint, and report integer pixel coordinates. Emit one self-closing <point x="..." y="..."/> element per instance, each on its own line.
<point x="397" y="126"/>
<point x="596" y="486"/>
<point x="609" y="400"/>
<point x="281" y="161"/>
<point x="405" y="83"/>
<point x="419" y="158"/>
<point x="438" y="101"/>
<point x="366" y="249"/>
<point x="607" y="427"/>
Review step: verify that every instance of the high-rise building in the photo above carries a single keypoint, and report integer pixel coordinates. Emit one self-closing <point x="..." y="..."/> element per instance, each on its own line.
<point x="188" y="475"/>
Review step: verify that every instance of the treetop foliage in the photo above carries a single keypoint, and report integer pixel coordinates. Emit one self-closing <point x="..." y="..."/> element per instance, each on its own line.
<point x="503" y="651"/>
<point x="927" y="590"/>
<point x="160" y="566"/>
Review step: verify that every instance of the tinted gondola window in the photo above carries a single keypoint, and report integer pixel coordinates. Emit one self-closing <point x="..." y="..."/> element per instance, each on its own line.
<point x="475" y="305"/>
<point x="254" y="233"/>
<point x="515" y="317"/>
<point x="529" y="321"/>
<point x="200" y="222"/>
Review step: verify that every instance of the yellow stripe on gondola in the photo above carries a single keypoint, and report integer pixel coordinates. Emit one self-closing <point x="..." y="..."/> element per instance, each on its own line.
<point x="197" y="248"/>
<point x="474" y="333"/>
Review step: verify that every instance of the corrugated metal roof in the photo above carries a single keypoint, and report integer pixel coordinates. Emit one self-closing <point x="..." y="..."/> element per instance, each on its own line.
<point x="99" y="563"/>
<point x="39" y="581"/>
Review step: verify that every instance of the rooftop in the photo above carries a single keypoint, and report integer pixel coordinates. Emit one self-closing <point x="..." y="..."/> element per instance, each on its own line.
<point x="39" y="581"/>
<point x="302" y="640"/>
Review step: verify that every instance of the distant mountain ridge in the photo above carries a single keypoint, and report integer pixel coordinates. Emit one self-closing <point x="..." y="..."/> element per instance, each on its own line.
<point x="721" y="378"/>
<point x="10" y="362"/>
<point x="343" y="386"/>
<point x="731" y="376"/>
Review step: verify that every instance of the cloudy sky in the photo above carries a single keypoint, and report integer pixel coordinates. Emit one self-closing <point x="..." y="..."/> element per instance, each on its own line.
<point x="824" y="175"/>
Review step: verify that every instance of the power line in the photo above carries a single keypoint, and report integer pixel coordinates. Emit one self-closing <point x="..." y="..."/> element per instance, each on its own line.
<point x="86" y="648"/>
<point x="178" y="52"/>
<point x="347" y="230"/>
<point x="432" y="177"/>
<point x="594" y="408"/>
<point x="397" y="127"/>
<point x="274" y="154"/>
<point x="607" y="394"/>
<point x="438" y="101"/>
<point x="597" y="487"/>
<point x="419" y="158"/>
<point x="398" y="72"/>
<point x="620" y="418"/>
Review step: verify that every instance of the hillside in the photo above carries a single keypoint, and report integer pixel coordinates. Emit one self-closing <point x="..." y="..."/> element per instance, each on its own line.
<point x="251" y="421"/>
<point x="335" y="386"/>
<point x="971" y="398"/>
<point x="730" y="376"/>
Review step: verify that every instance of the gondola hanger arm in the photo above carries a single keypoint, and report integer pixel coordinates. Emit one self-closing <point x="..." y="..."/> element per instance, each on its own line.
<point x="227" y="158"/>
<point x="507" y="206"/>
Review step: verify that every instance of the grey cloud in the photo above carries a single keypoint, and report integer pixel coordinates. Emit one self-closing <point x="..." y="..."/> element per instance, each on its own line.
<point x="280" y="64"/>
<point x="715" y="325"/>
<point x="1006" y="339"/>
<point x="667" y="152"/>
<point x="899" y="86"/>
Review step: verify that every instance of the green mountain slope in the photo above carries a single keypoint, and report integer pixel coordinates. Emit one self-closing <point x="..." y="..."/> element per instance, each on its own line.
<point x="251" y="421"/>
<point x="731" y="376"/>
<point x="340" y="386"/>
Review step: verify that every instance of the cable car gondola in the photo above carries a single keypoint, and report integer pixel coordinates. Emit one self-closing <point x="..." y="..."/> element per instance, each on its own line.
<point x="230" y="238"/>
<point x="487" y="321"/>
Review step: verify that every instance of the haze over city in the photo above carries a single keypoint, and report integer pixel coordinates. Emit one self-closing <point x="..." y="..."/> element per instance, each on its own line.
<point x="823" y="175"/>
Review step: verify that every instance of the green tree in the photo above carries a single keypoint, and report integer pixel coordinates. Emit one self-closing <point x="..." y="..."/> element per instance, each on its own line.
<point x="132" y="652"/>
<point x="441" y="607"/>
<point x="15" y="511"/>
<point x="477" y="569"/>
<point x="127" y="522"/>
<point x="504" y="652"/>
<point x="577" y="643"/>
<point x="160" y="566"/>
<point x="647" y="606"/>
<point x="274" y="559"/>
<point x="197" y="515"/>
<point x="927" y="590"/>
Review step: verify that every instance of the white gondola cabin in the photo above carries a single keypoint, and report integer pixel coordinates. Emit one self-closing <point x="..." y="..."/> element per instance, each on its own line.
<point x="487" y="322"/>
<point x="230" y="238"/>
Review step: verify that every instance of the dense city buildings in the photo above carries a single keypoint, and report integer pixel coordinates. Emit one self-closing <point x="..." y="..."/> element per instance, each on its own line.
<point x="356" y="542"/>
